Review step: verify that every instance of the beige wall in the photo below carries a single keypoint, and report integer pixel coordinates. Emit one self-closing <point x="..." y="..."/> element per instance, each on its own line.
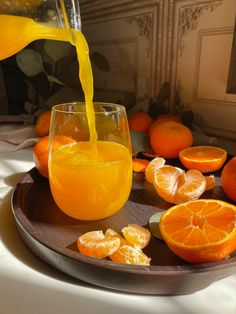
<point x="184" y="42"/>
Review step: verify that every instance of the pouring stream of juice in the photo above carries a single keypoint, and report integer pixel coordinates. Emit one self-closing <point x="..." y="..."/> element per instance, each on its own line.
<point x="18" y="31"/>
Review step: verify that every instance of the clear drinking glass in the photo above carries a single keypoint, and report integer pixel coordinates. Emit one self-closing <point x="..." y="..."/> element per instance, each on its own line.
<point x="23" y="21"/>
<point x="90" y="178"/>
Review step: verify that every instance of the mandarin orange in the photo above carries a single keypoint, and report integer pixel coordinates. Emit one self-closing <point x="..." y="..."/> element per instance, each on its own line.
<point x="169" y="138"/>
<point x="203" y="158"/>
<point x="43" y="124"/>
<point x="41" y="150"/>
<point x="165" y="117"/>
<point x="140" y="121"/>
<point x="228" y="179"/>
<point x="200" y="231"/>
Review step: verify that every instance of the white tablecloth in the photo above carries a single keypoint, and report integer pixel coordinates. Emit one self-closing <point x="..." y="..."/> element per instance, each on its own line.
<point x="29" y="286"/>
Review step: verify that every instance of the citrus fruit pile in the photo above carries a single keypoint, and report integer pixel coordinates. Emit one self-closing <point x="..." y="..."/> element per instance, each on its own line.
<point x="167" y="134"/>
<point x="126" y="249"/>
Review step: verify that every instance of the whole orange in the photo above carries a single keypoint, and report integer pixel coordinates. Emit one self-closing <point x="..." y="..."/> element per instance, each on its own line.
<point x="169" y="138"/>
<point x="140" y="121"/>
<point x="43" y="123"/>
<point x="165" y="117"/>
<point x="41" y="150"/>
<point x="228" y="179"/>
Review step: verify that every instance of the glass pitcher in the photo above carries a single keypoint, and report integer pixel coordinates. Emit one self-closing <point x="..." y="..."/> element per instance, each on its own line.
<point x="23" y="21"/>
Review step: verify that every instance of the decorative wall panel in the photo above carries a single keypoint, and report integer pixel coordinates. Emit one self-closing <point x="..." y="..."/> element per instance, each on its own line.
<point x="202" y="44"/>
<point x="148" y="42"/>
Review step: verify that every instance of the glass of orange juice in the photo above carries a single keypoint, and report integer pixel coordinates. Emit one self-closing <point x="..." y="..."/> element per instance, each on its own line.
<point x="90" y="175"/>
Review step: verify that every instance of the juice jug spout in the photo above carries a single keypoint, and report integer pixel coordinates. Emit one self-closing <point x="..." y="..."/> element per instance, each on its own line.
<point x="27" y="20"/>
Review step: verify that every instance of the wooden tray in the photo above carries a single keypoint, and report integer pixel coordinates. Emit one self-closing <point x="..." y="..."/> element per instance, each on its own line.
<point x="52" y="236"/>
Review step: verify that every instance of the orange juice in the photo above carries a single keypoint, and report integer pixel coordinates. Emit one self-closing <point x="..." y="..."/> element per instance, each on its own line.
<point x="88" y="186"/>
<point x="18" y="31"/>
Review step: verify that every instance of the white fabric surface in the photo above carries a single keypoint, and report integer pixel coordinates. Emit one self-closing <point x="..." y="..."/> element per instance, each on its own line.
<point x="14" y="137"/>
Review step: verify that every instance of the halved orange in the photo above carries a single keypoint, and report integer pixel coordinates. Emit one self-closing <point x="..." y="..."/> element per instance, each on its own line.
<point x="203" y="158"/>
<point x="200" y="231"/>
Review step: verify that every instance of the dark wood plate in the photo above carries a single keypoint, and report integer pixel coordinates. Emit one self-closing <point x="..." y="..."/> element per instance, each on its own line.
<point x="52" y="236"/>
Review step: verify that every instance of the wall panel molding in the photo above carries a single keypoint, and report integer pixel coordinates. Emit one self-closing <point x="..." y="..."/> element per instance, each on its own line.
<point x="177" y="36"/>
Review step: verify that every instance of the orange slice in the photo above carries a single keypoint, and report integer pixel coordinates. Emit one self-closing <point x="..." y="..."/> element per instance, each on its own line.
<point x="203" y="158"/>
<point x="200" y="231"/>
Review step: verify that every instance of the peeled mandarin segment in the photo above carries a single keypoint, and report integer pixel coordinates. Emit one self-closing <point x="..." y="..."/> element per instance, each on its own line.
<point x="112" y="233"/>
<point x="96" y="244"/>
<point x="166" y="181"/>
<point x="152" y="167"/>
<point x="210" y="182"/>
<point x="203" y="158"/>
<point x="137" y="235"/>
<point x="128" y="254"/>
<point x="191" y="188"/>
<point x="208" y="235"/>
<point x="139" y="165"/>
